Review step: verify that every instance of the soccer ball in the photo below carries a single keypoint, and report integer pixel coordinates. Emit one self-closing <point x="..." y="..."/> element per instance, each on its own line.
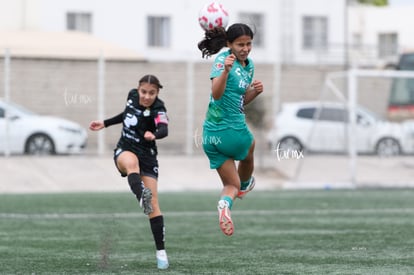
<point x="213" y="15"/>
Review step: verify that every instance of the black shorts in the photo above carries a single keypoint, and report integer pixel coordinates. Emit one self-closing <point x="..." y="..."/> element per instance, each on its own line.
<point x="148" y="164"/>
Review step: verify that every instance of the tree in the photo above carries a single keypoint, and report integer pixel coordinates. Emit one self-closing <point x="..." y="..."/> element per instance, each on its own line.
<point x="374" y="2"/>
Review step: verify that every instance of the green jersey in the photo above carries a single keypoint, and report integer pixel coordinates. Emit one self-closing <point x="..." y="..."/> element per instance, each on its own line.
<point x="228" y="111"/>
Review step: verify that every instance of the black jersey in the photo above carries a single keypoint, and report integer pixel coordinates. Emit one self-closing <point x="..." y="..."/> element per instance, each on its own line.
<point x="137" y="120"/>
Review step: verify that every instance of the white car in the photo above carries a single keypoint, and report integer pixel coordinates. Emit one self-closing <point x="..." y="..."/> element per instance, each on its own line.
<point x="297" y="128"/>
<point x="23" y="132"/>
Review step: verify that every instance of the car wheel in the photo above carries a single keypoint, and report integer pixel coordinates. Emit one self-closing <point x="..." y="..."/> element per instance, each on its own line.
<point x="290" y="143"/>
<point x="388" y="147"/>
<point x="39" y="144"/>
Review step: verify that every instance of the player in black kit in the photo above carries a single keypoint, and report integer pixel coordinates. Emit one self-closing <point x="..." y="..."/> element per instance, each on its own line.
<point x="144" y="120"/>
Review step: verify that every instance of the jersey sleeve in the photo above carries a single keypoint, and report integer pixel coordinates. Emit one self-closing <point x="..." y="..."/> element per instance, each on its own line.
<point x="218" y="66"/>
<point x="161" y="131"/>
<point x="161" y="124"/>
<point x="113" y="120"/>
<point x="160" y="112"/>
<point x="161" y="117"/>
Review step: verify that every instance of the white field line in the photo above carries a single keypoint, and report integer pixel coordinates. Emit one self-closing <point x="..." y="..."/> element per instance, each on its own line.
<point x="209" y="213"/>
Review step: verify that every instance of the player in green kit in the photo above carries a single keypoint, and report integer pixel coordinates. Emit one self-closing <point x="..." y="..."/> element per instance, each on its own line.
<point x="226" y="137"/>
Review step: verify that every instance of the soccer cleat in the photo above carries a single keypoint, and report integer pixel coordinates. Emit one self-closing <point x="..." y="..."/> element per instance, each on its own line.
<point x="162" y="259"/>
<point x="225" y="222"/>
<point x="248" y="188"/>
<point x="145" y="201"/>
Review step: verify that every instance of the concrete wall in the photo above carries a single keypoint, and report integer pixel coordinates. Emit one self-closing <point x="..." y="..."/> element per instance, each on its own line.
<point x="69" y="89"/>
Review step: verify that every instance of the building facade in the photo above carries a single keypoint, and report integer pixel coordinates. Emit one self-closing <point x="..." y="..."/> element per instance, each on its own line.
<point x="289" y="31"/>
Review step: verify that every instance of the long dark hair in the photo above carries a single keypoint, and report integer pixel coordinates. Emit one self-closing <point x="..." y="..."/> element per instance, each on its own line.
<point x="216" y="39"/>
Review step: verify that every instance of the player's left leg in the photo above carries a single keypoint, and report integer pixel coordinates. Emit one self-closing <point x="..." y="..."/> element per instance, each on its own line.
<point x="245" y="170"/>
<point x="231" y="185"/>
<point x="156" y="220"/>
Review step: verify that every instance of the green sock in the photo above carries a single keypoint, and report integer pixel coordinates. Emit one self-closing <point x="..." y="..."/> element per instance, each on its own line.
<point x="244" y="184"/>
<point x="227" y="199"/>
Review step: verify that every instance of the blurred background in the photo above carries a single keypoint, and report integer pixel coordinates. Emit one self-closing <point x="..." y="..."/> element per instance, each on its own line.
<point x="336" y="112"/>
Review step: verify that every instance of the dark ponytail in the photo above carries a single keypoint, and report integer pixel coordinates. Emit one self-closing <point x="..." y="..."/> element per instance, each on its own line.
<point x="217" y="38"/>
<point x="214" y="40"/>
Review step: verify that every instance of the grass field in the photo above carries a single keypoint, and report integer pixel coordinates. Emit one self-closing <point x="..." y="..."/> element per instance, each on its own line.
<point x="277" y="232"/>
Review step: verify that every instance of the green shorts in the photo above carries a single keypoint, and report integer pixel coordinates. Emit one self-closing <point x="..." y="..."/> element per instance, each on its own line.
<point x="222" y="145"/>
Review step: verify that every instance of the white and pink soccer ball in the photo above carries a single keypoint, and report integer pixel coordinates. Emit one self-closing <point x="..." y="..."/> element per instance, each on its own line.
<point x="213" y="15"/>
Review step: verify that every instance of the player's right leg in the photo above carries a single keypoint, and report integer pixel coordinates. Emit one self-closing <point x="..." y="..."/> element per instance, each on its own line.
<point x="128" y="164"/>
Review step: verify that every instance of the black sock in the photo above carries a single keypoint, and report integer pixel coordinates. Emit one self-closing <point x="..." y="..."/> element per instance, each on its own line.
<point x="158" y="230"/>
<point x="135" y="182"/>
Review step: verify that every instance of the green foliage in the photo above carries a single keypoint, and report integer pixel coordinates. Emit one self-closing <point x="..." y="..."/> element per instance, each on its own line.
<point x="277" y="232"/>
<point x="374" y="2"/>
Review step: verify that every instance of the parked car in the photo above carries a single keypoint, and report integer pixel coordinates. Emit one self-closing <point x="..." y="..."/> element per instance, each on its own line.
<point x="32" y="134"/>
<point x="296" y="129"/>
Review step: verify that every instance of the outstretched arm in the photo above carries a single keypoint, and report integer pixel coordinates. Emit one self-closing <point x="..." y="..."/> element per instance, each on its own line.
<point x="97" y="125"/>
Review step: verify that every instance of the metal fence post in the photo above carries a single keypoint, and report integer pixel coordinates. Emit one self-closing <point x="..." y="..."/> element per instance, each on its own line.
<point x="190" y="108"/>
<point x="101" y="101"/>
<point x="352" y="83"/>
<point x="7" y="99"/>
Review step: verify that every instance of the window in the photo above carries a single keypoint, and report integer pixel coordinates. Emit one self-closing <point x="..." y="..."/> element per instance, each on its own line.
<point x="79" y="21"/>
<point x="315" y="32"/>
<point x="402" y="92"/>
<point x="256" y="22"/>
<point x="159" y="32"/>
<point x="406" y="62"/>
<point x="306" y="113"/>
<point x="334" y="115"/>
<point x="325" y="114"/>
<point x="387" y="44"/>
<point x="402" y="89"/>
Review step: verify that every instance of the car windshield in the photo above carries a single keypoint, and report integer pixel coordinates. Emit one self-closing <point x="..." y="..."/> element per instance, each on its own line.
<point x="17" y="109"/>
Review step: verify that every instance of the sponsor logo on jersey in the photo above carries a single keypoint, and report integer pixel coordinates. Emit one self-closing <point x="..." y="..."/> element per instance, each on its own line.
<point x="219" y="66"/>
<point x="130" y="120"/>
